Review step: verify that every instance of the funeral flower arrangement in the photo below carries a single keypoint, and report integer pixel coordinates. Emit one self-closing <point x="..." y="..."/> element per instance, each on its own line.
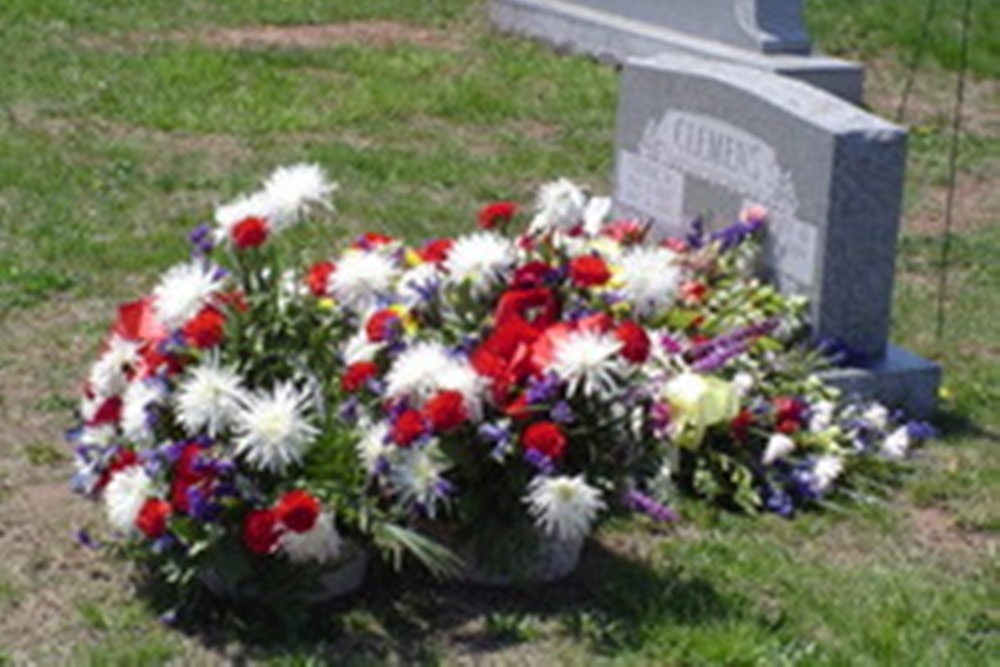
<point x="494" y="392"/>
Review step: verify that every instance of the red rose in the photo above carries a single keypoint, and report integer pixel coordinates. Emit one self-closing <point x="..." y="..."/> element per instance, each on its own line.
<point x="589" y="271"/>
<point x="436" y="251"/>
<point x="152" y="519"/>
<point x="382" y="325"/>
<point x="261" y="531"/>
<point x="446" y="411"/>
<point x="250" y="233"/>
<point x="319" y="274"/>
<point x="297" y="510"/>
<point x="357" y="374"/>
<point x="537" y="307"/>
<point x="635" y="341"/>
<point x="205" y="329"/>
<point x="408" y="427"/>
<point x="545" y="438"/>
<point x="496" y="214"/>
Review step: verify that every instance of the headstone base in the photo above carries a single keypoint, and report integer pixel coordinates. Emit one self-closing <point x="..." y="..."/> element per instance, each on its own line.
<point x="900" y="379"/>
<point x="614" y="38"/>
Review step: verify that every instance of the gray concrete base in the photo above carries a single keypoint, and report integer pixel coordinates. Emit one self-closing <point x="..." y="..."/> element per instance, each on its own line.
<point x="615" y="38"/>
<point x="900" y="379"/>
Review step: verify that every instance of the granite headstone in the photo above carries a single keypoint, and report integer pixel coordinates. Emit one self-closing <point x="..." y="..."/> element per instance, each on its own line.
<point x="701" y="138"/>
<point x="767" y="34"/>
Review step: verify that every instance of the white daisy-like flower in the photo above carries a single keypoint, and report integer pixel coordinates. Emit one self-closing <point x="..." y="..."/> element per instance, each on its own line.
<point x="595" y="215"/>
<point x="359" y="348"/>
<point x="227" y="216"/>
<point x="897" y="445"/>
<point x="588" y="360"/>
<point x="293" y="191"/>
<point x="109" y="375"/>
<point x="183" y="291"/>
<point x="320" y="544"/>
<point x="649" y="278"/>
<point x="372" y="446"/>
<point x="124" y="497"/>
<point x="563" y="507"/>
<point x="361" y="277"/>
<point x="484" y="259"/>
<point x="209" y="398"/>
<point x="778" y="447"/>
<point x="272" y="431"/>
<point x="826" y="470"/>
<point x="416" y="474"/>
<point x="136" y="403"/>
<point x="560" y="205"/>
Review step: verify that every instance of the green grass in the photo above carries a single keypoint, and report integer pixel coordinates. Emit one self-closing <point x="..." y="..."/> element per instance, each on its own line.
<point x="111" y="149"/>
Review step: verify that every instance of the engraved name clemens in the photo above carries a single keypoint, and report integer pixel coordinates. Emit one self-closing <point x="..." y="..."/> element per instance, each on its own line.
<point x="703" y="142"/>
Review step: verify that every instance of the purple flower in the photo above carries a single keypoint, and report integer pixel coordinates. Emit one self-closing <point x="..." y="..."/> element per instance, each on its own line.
<point x="201" y="238"/>
<point x="84" y="539"/>
<point x="562" y="413"/>
<point x="540" y="461"/>
<point x="651" y="508"/>
<point x="543" y="389"/>
<point x="921" y="430"/>
<point x="779" y="502"/>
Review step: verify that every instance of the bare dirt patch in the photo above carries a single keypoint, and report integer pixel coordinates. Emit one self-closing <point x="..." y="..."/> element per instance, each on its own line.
<point x="976" y="205"/>
<point x="937" y="530"/>
<point x="379" y="34"/>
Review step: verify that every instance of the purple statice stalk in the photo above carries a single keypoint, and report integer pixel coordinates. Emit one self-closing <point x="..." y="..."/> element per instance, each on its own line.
<point x="348" y="410"/>
<point x="640" y="502"/>
<point x="543" y="389"/>
<point x="202" y="506"/>
<point x="201" y="240"/>
<point x="540" y="461"/>
<point x="778" y="502"/>
<point x="695" y="237"/>
<point x="562" y="413"/>
<point x="86" y="540"/>
<point x="220" y="273"/>
<point x="918" y="430"/>
<point x="735" y="234"/>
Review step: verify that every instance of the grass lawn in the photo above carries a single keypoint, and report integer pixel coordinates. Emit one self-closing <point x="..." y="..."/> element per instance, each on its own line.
<point x="123" y="123"/>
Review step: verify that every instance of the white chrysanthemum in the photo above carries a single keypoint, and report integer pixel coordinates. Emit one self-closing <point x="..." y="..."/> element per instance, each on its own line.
<point x="595" y="215"/>
<point x="372" y="446"/>
<point x="361" y="277"/>
<point x="416" y="284"/>
<point x="897" y="445"/>
<point x="416" y="371"/>
<point x="109" y="375"/>
<point x="416" y="474"/>
<point x="183" y="291"/>
<point x="821" y="416"/>
<point x="588" y="360"/>
<point x="272" y="430"/>
<point x="209" y="398"/>
<point x="359" y="348"/>
<point x="649" y="278"/>
<point x="778" y="447"/>
<point x="125" y="495"/>
<point x="320" y="544"/>
<point x="292" y="191"/>
<point x="484" y="259"/>
<point x="826" y="471"/>
<point x="227" y="216"/>
<point x="564" y="507"/>
<point x="877" y="415"/>
<point x="561" y="205"/>
<point x="136" y="403"/>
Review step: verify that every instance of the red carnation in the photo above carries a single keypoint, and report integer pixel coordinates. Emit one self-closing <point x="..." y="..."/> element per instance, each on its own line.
<point x="532" y="274"/>
<point x="260" y="531"/>
<point x="153" y="516"/>
<point x="537" y="307"/>
<point x="205" y="329"/>
<point x="297" y="510"/>
<point x="357" y="374"/>
<point x="589" y="271"/>
<point x="408" y="427"/>
<point x="382" y="326"/>
<point x="496" y="214"/>
<point x="319" y="274"/>
<point x="635" y="341"/>
<point x="545" y="438"/>
<point x="436" y="251"/>
<point x="446" y="411"/>
<point x="250" y="233"/>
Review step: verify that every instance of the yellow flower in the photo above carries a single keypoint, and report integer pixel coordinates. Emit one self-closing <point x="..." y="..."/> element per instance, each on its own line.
<point x="413" y="258"/>
<point x="406" y="318"/>
<point x="698" y="402"/>
<point x="326" y="304"/>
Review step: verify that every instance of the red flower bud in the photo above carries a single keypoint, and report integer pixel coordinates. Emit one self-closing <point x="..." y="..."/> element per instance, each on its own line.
<point x="357" y="374"/>
<point x="250" y="233"/>
<point x="319" y="274"/>
<point x="497" y="214"/>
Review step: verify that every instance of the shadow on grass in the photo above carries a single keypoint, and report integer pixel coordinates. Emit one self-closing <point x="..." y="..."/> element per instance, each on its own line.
<point x="952" y="423"/>
<point x="612" y="602"/>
